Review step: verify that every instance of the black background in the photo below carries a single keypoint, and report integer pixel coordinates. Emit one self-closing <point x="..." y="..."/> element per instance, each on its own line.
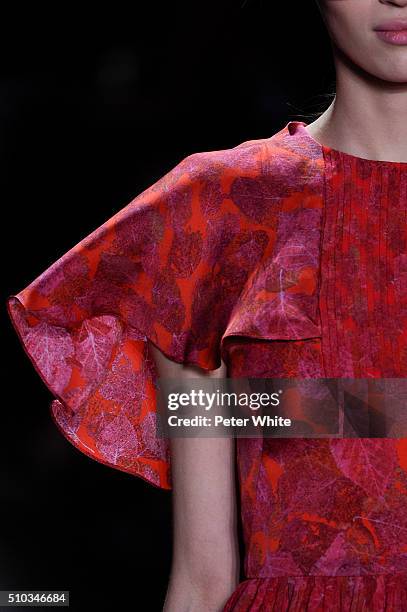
<point x="94" y="108"/>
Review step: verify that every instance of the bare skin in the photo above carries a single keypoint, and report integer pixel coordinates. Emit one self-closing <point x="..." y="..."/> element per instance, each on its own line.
<point x="205" y="562"/>
<point x="368" y="118"/>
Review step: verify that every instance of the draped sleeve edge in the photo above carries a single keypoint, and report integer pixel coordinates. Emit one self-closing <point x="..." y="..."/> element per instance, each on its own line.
<point x="190" y="262"/>
<point x="151" y="272"/>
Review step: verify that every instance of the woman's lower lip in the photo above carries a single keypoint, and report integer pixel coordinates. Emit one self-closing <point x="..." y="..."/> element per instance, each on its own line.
<point x="394" y="37"/>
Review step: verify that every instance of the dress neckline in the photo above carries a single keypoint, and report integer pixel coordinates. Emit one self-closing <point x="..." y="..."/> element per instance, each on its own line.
<point x="300" y="128"/>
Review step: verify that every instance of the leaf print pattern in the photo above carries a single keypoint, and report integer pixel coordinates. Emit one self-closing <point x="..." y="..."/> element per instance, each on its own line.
<point x="287" y="259"/>
<point x="51" y="348"/>
<point x="93" y="347"/>
<point x="334" y="533"/>
<point x="369" y="463"/>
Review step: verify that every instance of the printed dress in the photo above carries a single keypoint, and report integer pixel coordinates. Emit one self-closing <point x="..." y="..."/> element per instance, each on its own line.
<point x="288" y="259"/>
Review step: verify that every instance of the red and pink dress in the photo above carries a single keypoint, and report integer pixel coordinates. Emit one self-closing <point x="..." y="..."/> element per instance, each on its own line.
<point x="288" y="259"/>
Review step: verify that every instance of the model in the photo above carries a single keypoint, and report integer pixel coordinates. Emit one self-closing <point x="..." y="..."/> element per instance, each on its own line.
<point x="280" y="257"/>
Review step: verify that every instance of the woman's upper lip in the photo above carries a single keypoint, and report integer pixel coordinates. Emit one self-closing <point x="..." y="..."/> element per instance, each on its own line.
<point x="392" y="26"/>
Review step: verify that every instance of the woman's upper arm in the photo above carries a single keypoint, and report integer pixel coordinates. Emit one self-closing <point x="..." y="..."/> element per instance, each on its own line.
<point x="205" y="565"/>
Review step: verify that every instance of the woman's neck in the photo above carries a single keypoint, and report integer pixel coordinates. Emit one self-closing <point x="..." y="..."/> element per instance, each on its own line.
<point x="368" y="117"/>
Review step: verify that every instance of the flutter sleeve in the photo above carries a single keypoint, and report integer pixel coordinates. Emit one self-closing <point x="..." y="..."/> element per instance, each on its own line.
<point x="167" y="268"/>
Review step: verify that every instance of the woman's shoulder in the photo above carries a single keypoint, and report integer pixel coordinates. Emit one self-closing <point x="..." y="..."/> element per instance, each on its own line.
<point x="252" y="178"/>
<point x="246" y="155"/>
<point x="284" y="155"/>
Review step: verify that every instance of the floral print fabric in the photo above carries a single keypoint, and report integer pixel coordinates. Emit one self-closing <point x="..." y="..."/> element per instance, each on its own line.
<point x="286" y="258"/>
